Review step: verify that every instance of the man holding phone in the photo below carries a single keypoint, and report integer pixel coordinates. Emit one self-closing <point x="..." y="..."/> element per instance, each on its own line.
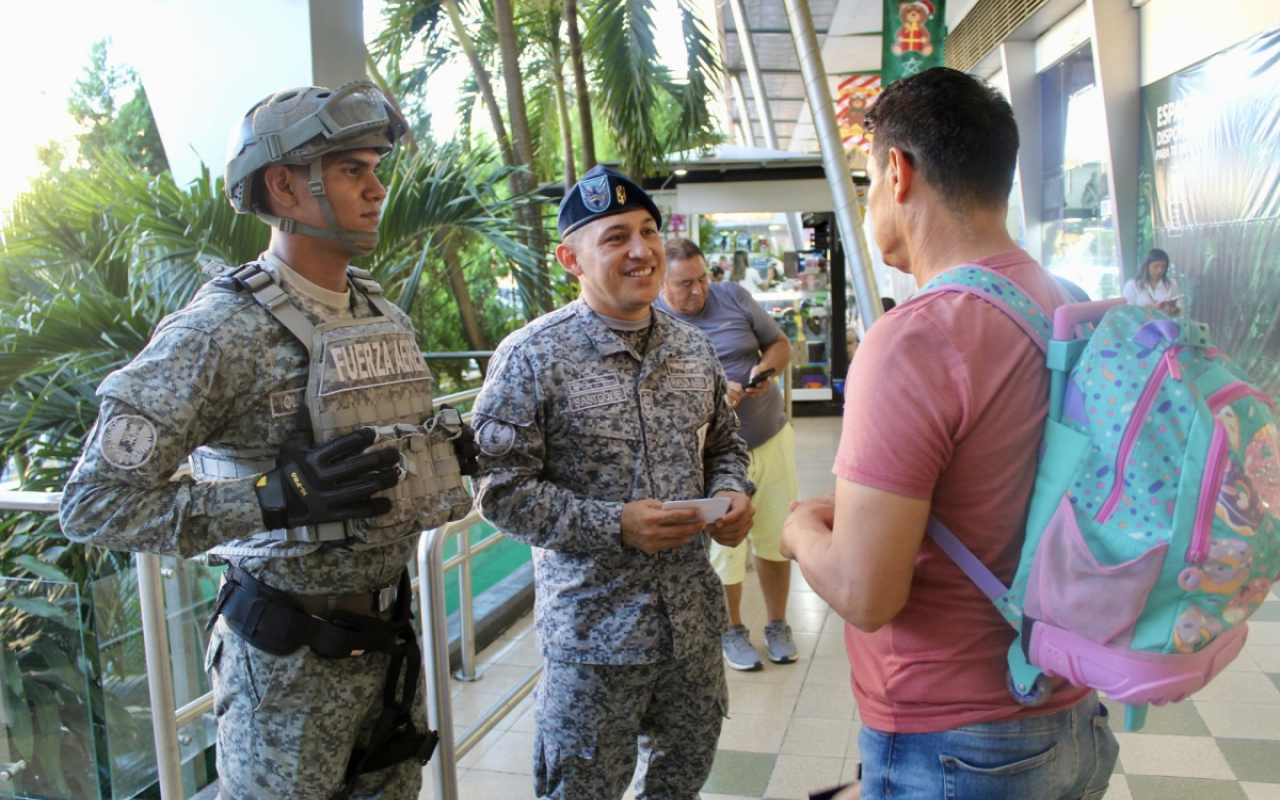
<point x="752" y="349"/>
<point x="591" y="417"/>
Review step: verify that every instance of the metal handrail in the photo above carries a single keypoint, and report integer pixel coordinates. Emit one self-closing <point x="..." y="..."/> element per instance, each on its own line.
<point x="155" y="639"/>
<point x="435" y="646"/>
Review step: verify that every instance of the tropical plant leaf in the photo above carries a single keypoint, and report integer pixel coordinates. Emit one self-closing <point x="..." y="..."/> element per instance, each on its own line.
<point x="630" y="74"/>
<point x="39" y="607"/>
<point x="40" y="569"/>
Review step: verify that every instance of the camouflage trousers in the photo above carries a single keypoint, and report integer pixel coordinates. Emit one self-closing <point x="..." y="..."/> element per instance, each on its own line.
<point x="597" y="721"/>
<point x="287" y="724"/>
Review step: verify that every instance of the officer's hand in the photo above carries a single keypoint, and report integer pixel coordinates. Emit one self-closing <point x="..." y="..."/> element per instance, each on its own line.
<point x="330" y="482"/>
<point x="648" y="528"/>
<point x="734" y="526"/>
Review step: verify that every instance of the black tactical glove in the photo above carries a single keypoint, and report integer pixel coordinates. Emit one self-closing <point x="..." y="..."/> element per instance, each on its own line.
<point x="464" y="444"/>
<point x="329" y="482"/>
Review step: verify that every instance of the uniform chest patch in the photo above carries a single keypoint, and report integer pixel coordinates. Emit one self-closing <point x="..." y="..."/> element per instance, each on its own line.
<point x="685" y="366"/>
<point x="128" y="441"/>
<point x="686" y="383"/>
<point x="496" y="438"/>
<point x="365" y="361"/>
<point x="597" y="390"/>
<point x="285" y="403"/>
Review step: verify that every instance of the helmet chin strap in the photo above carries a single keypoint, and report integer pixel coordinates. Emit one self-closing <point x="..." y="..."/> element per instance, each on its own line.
<point x="346" y="238"/>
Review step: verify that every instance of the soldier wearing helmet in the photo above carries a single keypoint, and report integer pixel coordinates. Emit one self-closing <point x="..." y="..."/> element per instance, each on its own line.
<point x="299" y="397"/>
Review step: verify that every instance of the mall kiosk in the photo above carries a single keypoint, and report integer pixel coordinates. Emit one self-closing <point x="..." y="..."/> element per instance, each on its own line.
<point x="776" y="206"/>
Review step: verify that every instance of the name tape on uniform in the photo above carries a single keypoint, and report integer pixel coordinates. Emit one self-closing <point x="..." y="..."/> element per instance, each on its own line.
<point x="285" y="403"/>
<point x="595" y="391"/>
<point x="686" y="383"/>
<point x="375" y="360"/>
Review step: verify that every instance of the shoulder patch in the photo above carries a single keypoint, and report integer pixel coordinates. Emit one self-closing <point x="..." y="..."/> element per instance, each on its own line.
<point x="496" y="437"/>
<point x="128" y="441"/>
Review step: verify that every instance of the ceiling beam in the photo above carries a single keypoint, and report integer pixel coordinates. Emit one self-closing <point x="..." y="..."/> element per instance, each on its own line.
<point x="778" y="31"/>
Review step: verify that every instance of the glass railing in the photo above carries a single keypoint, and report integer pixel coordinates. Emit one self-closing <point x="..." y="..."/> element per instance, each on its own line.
<point x="189" y="591"/>
<point x="76" y="697"/>
<point x="51" y="735"/>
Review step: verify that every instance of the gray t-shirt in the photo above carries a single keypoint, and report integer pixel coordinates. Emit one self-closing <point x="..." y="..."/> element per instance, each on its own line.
<point x="740" y="329"/>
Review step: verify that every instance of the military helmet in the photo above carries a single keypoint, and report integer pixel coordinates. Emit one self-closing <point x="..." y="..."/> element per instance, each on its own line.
<point x="299" y="126"/>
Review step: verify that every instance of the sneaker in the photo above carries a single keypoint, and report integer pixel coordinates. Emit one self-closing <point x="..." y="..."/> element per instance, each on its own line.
<point x="738" y="650"/>
<point x="782" y="647"/>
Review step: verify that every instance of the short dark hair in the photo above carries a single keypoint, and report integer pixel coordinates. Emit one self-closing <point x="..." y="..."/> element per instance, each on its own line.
<point x="680" y="249"/>
<point x="957" y="132"/>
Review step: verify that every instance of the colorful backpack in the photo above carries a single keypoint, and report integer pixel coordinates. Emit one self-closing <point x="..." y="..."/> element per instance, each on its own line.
<point x="1153" y="529"/>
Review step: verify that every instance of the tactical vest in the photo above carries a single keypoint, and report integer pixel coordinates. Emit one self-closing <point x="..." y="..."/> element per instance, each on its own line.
<point x="363" y="373"/>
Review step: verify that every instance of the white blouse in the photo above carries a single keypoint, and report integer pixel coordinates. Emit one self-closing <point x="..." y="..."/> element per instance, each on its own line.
<point x="1148" y="296"/>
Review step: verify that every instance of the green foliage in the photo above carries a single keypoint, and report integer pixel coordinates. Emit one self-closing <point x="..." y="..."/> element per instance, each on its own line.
<point x="635" y="87"/>
<point x="443" y="195"/>
<point x="412" y="46"/>
<point x="49" y="721"/>
<point x="126" y="129"/>
<point x="642" y="111"/>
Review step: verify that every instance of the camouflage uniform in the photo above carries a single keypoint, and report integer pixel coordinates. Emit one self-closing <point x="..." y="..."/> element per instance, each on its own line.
<point x="223" y="372"/>
<point x="573" y="423"/>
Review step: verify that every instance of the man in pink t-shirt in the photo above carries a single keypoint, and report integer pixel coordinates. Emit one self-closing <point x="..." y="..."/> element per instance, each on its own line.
<point x="944" y="408"/>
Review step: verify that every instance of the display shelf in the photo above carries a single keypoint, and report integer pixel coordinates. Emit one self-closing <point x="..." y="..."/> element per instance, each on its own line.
<point x="810" y="394"/>
<point x="788" y="294"/>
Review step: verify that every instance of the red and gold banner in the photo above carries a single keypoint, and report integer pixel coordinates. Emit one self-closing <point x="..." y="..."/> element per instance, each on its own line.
<point x="856" y="94"/>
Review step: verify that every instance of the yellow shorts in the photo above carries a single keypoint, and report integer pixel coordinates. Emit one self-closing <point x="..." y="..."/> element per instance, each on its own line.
<point x="773" y="471"/>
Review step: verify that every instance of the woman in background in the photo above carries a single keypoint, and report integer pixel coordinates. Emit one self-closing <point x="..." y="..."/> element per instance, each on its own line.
<point x="1153" y="288"/>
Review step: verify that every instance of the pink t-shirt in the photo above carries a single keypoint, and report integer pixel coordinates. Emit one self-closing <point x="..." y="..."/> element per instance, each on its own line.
<point x="946" y="401"/>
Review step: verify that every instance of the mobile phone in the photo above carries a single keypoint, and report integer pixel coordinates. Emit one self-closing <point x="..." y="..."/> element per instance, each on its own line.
<point x="761" y="377"/>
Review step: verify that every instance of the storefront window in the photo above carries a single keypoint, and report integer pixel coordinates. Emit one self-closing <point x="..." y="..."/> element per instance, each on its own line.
<point x="1079" y="226"/>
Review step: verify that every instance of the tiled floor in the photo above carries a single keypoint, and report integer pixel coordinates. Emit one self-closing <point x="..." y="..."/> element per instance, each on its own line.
<point x="794" y="727"/>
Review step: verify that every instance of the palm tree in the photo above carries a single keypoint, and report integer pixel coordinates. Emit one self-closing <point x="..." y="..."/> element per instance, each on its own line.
<point x="649" y="112"/>
<point x="580" y="84"/>
<point x="410" y="20"/>
<point x="438" y="199"/>
<point x="635" y="87"/>
<point x="542" y="23"/>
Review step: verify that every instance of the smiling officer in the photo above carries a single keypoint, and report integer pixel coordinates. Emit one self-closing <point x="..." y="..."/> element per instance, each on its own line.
<point x="591" y="417"/>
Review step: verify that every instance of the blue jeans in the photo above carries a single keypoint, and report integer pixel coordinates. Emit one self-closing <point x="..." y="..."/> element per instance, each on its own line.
<point x="1066" y="755"/>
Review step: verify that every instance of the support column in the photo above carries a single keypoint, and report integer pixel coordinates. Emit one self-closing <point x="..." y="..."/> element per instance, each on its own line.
<point x="320" y="42"/>
<point x="847" y="213"/>
<point x="1019" y="59"/>
<point x="744" y="114"/>
<point x="753" y="73"/>
<point x="337" y="42"/>
<point x="1116" y="68"/>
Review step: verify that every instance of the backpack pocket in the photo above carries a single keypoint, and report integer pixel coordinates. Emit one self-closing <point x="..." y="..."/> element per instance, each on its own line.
<point x="1070" y="587"/>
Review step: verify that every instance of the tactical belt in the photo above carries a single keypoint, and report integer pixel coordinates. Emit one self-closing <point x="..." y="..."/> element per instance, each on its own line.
<point x="275" y="622"/>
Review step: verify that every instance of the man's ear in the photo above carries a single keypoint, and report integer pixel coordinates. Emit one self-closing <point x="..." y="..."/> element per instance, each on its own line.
<point x="568" y="259"/>
<point x="281" y="185"/>
<point x="901" y="174"/>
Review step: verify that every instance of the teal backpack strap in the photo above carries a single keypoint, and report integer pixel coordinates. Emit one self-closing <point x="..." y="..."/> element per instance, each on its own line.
<point x="1000" y="292"/>
<point x="1027" y="683"/>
